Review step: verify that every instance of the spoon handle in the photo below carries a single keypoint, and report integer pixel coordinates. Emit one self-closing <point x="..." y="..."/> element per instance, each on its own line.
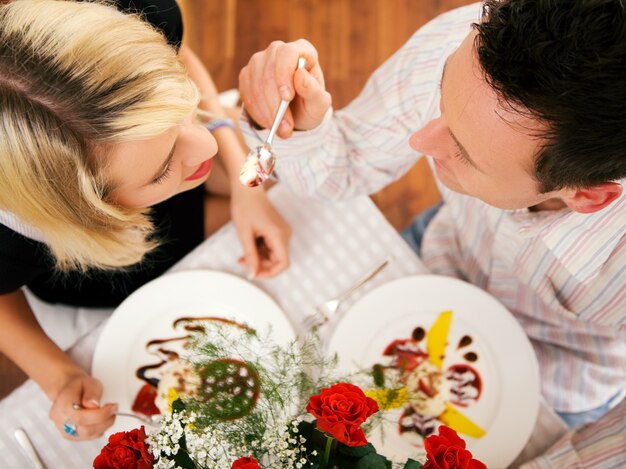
<point x="282" y="108"/>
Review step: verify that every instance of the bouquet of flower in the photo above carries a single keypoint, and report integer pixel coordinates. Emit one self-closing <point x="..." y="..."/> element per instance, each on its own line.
<point x="261" y="406"/>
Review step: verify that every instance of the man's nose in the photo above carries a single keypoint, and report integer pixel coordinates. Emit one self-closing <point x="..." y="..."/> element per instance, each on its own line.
<point x="433" y="139"/>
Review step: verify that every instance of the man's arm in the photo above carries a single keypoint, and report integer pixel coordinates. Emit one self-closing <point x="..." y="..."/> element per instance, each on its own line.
<point x="601" y="444"/>
<point x="363" y="147"/>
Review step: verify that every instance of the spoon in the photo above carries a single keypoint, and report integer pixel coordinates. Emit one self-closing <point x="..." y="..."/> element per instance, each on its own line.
<point x="261" y="160"/>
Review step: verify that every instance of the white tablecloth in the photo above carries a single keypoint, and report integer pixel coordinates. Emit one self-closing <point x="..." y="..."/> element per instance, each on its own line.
<point x="332" y="246"/>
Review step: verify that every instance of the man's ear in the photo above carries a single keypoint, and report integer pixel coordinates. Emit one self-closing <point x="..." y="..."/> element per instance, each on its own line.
<point x="593" y="198"/>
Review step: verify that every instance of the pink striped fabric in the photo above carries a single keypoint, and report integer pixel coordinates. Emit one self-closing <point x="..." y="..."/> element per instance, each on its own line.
<point x="562" y="274"/>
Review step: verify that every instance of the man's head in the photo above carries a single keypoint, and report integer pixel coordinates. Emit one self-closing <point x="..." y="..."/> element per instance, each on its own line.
<point x="536" y="98"/>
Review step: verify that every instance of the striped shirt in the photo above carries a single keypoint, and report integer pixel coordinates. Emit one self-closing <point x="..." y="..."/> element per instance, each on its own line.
<point x="561" y="273"/>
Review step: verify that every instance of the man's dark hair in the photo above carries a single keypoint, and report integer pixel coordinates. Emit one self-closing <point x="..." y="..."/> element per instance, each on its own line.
<point x="563" y="62"/>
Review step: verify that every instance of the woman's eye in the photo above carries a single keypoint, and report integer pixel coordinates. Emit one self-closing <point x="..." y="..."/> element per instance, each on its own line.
<point x="163" y="176"/>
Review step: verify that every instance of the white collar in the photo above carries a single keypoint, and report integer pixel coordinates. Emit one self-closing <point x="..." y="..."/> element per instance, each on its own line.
<point x="11" y="221"/>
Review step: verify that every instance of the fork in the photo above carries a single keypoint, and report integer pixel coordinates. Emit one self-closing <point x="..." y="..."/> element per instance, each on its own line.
<point x="325" y="311"/>
<point x="152" y="420"/>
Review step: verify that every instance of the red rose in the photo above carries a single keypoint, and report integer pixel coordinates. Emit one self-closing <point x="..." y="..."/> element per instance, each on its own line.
<point x="340" y="410"/>
<point x="447" y="451"/>
<point x="246" y="463"/>
<point x="125" y="450"/>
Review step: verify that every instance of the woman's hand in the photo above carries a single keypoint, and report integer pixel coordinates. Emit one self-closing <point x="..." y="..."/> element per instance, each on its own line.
<point x="271" y="75"/>
<point x="263" y="233"/>
<point x="77" y="406"/>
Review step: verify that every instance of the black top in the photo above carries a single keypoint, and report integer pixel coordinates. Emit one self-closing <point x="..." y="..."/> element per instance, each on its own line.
<point x="164" y="14"/>
<point x="179" y="221"/>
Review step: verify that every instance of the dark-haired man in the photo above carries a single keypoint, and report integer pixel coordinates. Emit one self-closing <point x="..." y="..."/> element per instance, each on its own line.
<point x="523" y="118"/>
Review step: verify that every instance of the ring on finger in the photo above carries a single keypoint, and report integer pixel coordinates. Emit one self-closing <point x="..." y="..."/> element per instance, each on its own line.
<point x="69" y="427"/>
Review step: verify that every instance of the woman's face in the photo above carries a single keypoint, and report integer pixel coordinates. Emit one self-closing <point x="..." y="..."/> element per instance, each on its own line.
<point x="146" y="172"/>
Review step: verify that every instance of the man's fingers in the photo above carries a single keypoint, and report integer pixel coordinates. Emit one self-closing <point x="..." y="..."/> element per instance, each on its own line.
<point x="257" y="88"/>
<point x="269" y="77"/>
<point x="286" y="61"/>
<point x="315" y="99"/>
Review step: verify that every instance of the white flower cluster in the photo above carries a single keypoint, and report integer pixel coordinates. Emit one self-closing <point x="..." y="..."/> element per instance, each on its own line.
<point x="165" y="441"/>
<point x="208" y="448"/>
<point x="204" y="446"/>
<point x="284" y="446"/>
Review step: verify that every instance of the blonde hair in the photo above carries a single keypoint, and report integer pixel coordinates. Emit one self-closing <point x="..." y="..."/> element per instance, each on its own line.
<point x="75" y="78"/>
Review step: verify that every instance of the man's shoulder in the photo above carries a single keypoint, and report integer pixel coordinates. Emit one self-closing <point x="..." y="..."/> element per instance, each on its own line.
<point x="440" y="36"/>
<point x="584" y="243"/>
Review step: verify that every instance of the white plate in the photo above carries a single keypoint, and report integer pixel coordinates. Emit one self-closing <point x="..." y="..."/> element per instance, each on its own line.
<point x="508" y="406"/>
<point x="149" y="312"/>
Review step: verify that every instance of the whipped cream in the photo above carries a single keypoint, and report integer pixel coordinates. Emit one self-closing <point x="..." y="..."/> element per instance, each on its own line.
<point x="428" y="390"/>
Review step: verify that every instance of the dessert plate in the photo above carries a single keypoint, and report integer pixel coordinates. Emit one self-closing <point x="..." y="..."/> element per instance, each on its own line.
<point x="150" y="312"/>
<point x="490" y="372"/>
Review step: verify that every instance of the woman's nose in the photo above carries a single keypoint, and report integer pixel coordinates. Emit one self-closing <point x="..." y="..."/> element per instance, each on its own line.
<point x="433" y="139"/>
<point x="201" y="144"/>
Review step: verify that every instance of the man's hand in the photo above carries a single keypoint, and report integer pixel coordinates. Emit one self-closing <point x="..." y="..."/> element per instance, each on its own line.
<point x="271" y="75"/>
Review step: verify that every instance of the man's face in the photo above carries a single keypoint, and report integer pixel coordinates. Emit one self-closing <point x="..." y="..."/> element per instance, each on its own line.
<point x="478" y="146"/>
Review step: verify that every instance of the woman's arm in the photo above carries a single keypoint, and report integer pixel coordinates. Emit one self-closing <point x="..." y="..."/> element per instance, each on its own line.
<point x="24" y="342"/>
<point x="252" y="213"/>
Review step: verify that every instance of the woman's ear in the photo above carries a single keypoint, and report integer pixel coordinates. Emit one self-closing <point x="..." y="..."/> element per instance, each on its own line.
<point x="593" y="198"/>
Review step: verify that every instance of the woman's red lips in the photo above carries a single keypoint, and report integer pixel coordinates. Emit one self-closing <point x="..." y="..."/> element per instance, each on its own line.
<point x="202" y="170"/>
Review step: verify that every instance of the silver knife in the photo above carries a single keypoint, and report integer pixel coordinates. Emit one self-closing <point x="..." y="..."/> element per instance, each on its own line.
<point x="24" y="441"/>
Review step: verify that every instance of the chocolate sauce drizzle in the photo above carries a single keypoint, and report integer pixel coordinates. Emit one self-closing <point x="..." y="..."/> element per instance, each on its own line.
<point x="189" y="324"/>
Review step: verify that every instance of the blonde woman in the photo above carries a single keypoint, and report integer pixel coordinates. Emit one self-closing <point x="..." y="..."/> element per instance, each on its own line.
<point x="103" y="168"/>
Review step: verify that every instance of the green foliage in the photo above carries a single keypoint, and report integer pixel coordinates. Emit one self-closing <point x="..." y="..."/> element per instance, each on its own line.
<point x="378" y="375"/>
<point x="412" y="464"/>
